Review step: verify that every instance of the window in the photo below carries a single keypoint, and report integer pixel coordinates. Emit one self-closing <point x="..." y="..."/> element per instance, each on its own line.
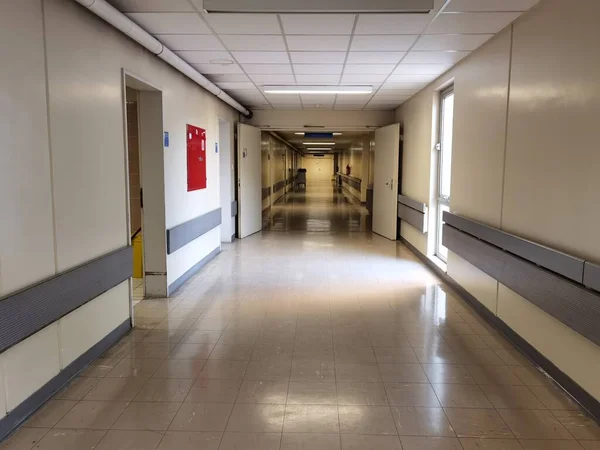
<point x="444" y="165"/>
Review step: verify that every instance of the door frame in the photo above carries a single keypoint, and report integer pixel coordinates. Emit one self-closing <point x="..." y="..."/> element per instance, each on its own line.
<point x="151" y="153"/>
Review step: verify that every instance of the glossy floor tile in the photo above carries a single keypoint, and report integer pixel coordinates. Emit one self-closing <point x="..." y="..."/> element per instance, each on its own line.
<point x="314" y="334"/>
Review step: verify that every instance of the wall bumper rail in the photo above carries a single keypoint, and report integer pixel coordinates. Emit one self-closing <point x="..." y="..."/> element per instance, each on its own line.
<point x="543" y="276"/>
<point x="413" y="212"/>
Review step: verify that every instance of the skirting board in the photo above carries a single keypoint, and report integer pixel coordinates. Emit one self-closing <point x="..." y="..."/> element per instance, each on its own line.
<point x="192" y="271"/>
<point x="580" y="395"/>
<point x="18" y="415"/>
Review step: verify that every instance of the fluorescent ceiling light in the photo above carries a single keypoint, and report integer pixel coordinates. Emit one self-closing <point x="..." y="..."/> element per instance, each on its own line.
<point x="318" y="6"/>
<point x="308" y="90"/>
<point x="318" y="149"/>
<point x="302" y="134"/>
<point x="318" y="143"/>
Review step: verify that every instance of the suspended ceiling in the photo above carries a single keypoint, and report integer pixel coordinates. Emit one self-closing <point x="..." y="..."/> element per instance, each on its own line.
<point x="397" y="54"/>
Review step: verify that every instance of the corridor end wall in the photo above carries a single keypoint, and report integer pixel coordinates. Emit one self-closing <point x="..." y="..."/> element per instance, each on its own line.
<point x="525" y="160"/>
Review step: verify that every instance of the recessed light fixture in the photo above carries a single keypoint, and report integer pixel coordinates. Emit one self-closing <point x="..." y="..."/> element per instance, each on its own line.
<point x="308" y="90"/>
<point x="318" y="143"/>
<point x="318" y="149"/>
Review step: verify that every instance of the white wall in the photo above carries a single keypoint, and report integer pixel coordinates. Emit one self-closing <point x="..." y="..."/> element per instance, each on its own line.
<point x="318" y="169"/>
<point x="524" y="148"/>
<point x="63" y="174"/>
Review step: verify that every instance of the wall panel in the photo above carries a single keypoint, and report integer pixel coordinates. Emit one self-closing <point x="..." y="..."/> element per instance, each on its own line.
<point x="30" y="364"/>
<point x="578" y="357"/>
<point x="81" y="329"/>
<point x="552" y="158"/>
<point x="27" y="243"/>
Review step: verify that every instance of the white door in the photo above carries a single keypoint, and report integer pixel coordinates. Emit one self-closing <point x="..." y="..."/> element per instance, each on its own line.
<point x="249" y="181"/>
<point x="385" y="183"/>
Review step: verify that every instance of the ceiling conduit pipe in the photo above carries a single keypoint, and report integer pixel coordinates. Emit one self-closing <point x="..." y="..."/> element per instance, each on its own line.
<point x="124" y="24"/>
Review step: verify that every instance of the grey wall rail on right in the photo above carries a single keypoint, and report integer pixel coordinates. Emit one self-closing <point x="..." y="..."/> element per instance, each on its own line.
<point x="413" y="212"/>
<point x="559" y="284"/>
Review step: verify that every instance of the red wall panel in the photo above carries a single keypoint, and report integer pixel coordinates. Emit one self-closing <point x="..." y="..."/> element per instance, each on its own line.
<point x="196" y="158"/>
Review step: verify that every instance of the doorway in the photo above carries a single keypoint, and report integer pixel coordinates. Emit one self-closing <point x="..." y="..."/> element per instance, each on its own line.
<point x="135" y="193"/>
<point x="227" y="181"/>
<point x="144" y="155"/>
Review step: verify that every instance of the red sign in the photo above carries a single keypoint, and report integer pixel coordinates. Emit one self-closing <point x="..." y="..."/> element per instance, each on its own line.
<point x="196" y="158"/>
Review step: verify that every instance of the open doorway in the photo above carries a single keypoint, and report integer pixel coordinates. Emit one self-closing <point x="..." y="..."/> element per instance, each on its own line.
<point x="136" y="206"/>
<point x="227" y="181"/>
<point x="144" y="156"/>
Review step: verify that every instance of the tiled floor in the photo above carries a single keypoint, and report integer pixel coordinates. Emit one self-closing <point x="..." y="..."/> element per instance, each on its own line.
<point x="328" y="340"/>
<point x="138" y="290"/>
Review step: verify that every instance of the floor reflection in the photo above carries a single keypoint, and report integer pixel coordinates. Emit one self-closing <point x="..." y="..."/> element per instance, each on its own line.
<point x="333" y="339"/>
<point x="317" y="208"/>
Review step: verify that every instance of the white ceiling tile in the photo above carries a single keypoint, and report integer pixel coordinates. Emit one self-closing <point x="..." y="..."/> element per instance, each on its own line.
<point x="152" y="5"/>
<point x="227" y="78"/>
<point x="283" y="98"/>
<point x="203" y="57"/>
<point x="375" y="57"/>
<point x="464" y="23"/>
<point x="490" y="5"/>
<point x="253" y="42"/>
<point x="363" y="79"/>
<point x="420" y="69"/>
<point x="170" y="23"/>
<point x="409" y="78"/>
<point x="291" y="106"/>
<point x="317" y="79"/>
<point x="273" y="78"/>
<point x="244" y="23"/>
<point x="399" y="92"/>
<point x="416" y="85"/>
<point x="353" y="99"/>
<point x="380" y="43"/>
<point x="319" y="69"/>
<point x="375" y="69"/>
<point x="231" y="85"/>
<point x="261" y="57"/>
<point x="434" y="57"/>
<point x="317" y="23"/>
<point x="310" y="106"/>
<point x="218" y="68"/>
<point x="464" y="42"/>
<point x="348" y="107"/>
<point x="267" y="68"/>
<point x="392" y="23"/>
<point x="190" y="41"/>
<point x="318" y="57"/>
<point x="318" y="98"/>
<point x="318" y="43"/>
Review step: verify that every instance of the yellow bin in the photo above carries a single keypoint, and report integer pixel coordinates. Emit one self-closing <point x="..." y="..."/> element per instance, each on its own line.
<point x="138" y="256"/>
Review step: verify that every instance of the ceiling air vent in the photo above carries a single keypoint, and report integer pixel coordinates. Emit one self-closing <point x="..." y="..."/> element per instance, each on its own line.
<point x="318" y="6"/>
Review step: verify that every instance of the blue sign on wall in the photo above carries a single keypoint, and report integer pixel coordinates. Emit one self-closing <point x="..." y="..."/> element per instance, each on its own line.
<point x="166" y="139"/>
<point x="318" y="135"/>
